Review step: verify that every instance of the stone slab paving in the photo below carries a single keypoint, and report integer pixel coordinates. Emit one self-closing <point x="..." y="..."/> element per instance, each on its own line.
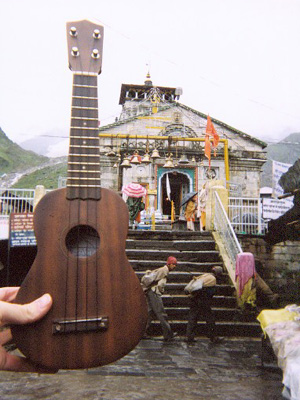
<point x="159" y="371"/>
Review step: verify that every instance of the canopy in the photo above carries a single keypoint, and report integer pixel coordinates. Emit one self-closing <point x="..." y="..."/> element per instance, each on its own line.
<point x="134" y="190"/>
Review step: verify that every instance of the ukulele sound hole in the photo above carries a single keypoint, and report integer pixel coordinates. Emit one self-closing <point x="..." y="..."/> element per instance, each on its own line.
<point x="82" y="241"/>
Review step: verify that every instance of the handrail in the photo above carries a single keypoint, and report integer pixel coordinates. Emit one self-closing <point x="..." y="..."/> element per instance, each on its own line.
<point x="225" y="237"/>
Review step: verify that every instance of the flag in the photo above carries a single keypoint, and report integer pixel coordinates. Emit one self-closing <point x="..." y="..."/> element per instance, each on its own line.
<point x="168" y="187"/>
<point x="210" y="130"/>
<point x="207" y="149"/>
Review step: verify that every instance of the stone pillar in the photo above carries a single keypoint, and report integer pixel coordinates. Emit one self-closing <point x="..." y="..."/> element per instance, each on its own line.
<point x="215" y="186"/>
<point x="40" y="191"/>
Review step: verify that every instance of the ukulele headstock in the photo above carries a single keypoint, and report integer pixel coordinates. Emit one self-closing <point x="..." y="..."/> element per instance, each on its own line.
<point x="85" y="45"/>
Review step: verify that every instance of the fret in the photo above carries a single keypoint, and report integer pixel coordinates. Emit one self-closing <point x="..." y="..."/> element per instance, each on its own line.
<point x="85" y="73"/>
<point x="85" y="118"/>
<point x="84" y="155"/>
<point x="85" y="128"/>
<point x="85" y="86"/>
<point x="84" y="171"/>
<point x="85" y="108"/>
<point x="84" y="147"/>
<point x="85" y="137"/>
<point x="82" y="163"/>
<point x="85" y="186"/>
<point x="82" y="178"/>
<point x="85" y="97"/>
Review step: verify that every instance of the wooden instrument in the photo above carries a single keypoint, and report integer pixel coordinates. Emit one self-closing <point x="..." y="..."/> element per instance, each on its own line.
<point x="99" y="310"/>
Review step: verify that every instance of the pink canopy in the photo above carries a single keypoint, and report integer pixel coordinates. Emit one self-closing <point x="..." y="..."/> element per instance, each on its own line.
<point x="134" y="190"/>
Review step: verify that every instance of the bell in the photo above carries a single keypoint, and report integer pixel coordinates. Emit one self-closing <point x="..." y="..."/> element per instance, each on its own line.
<point x="155" y="154"/>
<point x="135" y="159"/>
<point x="169" y="163"/>
<point x="183" y="159"/>
<point x="193" y="159"/>
<point x="146" y="159"/>
<point x="110" y="153"/>
<point x="126" y="163"/>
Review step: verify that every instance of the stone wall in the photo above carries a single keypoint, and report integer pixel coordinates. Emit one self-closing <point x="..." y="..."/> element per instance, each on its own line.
<point x="278" y="265"/>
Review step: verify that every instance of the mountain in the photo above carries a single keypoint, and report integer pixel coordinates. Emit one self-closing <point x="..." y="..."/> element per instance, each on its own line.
<point x="13" y="158"/>
<point x="52" y="144"/>
<point x="286" y="151"/>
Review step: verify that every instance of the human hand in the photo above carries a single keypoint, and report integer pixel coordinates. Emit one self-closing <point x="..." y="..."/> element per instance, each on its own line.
<point x="19" y="314"/>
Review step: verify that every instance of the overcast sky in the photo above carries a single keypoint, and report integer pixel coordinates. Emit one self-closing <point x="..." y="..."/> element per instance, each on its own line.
<point x="237" y="60"/>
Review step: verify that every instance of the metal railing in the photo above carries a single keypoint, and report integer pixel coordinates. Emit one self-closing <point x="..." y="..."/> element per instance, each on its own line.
<point x="245" y="215"/>
<point x="227" y="239"/>
<point x="16" y="200"/>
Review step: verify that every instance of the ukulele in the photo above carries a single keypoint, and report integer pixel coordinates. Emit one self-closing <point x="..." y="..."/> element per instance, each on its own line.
<point x="99" y="310"/>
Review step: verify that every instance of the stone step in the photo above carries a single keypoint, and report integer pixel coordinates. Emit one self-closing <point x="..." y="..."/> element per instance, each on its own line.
<point x="168" y="235"/>
<point x="182" y="300"/>
<point x="223" y="328"/>
<point x="220" y="313"/>
<point x="182" y="267"/>
<point x="178" y="288"/>
<point x="179" y="245"/>
<point x="186" y="256"/>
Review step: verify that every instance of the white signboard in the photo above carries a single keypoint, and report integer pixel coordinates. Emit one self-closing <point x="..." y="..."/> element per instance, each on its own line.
<point x="274" y="208"/>
<point x="4" y="227"/>
<point x="278" y="169"/>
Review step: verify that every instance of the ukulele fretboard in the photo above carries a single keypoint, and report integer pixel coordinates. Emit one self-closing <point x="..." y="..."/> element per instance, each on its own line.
<point x="84" y="158"/>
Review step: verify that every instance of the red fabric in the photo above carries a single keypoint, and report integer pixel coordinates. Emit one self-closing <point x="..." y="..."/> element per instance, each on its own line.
<point x="171" y="260"/>
<point x="244" y="270"/>
<point x="207" y="149"/>
<point x="210" y="130"/>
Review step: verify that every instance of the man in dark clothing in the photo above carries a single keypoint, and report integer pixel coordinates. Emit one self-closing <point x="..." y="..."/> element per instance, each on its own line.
<point x="154" y="292"/>
<point x="200" y="305"/>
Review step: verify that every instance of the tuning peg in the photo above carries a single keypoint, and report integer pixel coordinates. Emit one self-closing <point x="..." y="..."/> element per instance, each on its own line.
<point x="95" y="53"/>
<point x="75" y="52"/>
<point x="73" y="31"/>
<point x="96" y="34"/>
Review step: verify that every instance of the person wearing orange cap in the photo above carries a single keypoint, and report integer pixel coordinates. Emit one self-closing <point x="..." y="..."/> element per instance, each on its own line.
<point x="154" y="288"/>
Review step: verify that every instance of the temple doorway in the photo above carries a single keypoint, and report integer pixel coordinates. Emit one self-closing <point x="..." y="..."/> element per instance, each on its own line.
<point x="179" y="186"/>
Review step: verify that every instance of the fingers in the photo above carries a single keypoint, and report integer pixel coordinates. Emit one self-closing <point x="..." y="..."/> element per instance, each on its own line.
<point x="8" y="293"/>
<point x="5" y="336"/>
<point x="11" y="362"/>
<point x="26" y="313"/>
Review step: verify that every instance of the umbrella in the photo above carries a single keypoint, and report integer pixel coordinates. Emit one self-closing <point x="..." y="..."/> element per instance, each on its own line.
<point x="134" y="190"/>
<point x="290" y="180"/>
<point x="187" y="197"/>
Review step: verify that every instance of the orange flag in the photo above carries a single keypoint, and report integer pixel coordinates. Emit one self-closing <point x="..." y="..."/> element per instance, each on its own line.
<point x="210" y="130"/>
<point x="207" y="148"/>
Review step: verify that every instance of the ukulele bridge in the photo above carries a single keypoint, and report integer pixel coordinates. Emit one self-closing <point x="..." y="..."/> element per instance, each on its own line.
<point x="80" y="325"/>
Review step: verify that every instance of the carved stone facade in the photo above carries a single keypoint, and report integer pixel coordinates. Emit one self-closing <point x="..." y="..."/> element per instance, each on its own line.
<point x="153" y="119"/>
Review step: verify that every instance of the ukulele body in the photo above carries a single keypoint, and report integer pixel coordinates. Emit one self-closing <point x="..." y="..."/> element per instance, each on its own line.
<point x="99" y="310"/>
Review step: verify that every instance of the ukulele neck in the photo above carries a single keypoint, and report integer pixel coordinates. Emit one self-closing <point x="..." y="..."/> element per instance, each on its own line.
<point x="83" y="180"/>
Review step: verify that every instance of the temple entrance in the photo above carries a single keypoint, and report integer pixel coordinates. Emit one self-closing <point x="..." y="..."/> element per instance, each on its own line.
<point x="179" y="186"/>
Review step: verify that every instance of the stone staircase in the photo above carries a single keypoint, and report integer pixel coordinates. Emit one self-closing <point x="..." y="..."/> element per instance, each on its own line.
<point x="196" y="253"/>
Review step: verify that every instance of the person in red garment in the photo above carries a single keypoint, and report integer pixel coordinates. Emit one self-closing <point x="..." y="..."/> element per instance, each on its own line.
<point x="11" y="313"/>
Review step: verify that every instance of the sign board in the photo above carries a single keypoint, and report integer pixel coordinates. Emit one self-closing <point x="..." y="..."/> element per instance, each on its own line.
<point x="21" y="230"/>
<point x="4" y="227"/>
<point x="279" y="168"/>
<point x="273" y="208"/>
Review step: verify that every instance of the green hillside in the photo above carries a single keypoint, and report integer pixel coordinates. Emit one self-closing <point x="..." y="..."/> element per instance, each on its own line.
<point x="13" y="158"/>
<point x="48" y="177"/>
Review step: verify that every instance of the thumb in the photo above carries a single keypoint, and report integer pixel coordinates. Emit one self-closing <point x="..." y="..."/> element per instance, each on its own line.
<point x="25" y="313"/>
